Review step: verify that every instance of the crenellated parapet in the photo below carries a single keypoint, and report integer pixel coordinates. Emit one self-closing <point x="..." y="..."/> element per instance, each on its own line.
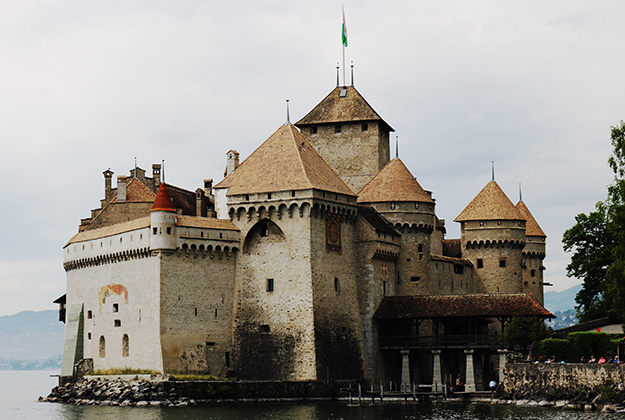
<point x="252" y="212"/>
<point x="497" y="244"/>
<point x="206" y="252"/>
<point x="111" y="258"/>
<point x="414" y="227"/>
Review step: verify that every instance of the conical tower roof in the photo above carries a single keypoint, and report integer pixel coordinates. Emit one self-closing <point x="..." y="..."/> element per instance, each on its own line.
<point x="394" y="182"/>
<point x="490" y="204"/>
<point x="337" y="108"/>
<point x="531" y="226"/>
<point x="163" y="202"/>
<point x="284" y="162"/>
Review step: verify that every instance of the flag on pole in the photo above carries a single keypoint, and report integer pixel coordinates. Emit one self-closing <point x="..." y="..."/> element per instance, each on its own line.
<point x="344" y="31"/>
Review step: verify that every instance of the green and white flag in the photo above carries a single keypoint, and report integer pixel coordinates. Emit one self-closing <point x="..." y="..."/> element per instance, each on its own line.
<point x="344" y="31"/>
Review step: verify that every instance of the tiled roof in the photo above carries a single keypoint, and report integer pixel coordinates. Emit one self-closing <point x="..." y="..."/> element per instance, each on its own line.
<point x="393" y="183"/>
<point x="531" y="226"/>
<point x="205" y="222"/>
<point x="452" y="306"/>
<point x="452" y="248"/>
<point x="183" y="199"/>
<point x="163" y="202"/>
<point x="376" y="220"/>
<point x="490" y="204"/>
<point x="453" y="260"/>
<point x="137" y="192"/>
<point x="284" y="162"/>
<point x="335" y="109"/>
<point x="115" y="229"/>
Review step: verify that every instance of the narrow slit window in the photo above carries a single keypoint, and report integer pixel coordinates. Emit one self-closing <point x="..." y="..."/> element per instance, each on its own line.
<point x="270" y="285"/>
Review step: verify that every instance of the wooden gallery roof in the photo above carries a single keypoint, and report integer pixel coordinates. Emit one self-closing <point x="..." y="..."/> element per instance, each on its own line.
<point x="457" y="306"/>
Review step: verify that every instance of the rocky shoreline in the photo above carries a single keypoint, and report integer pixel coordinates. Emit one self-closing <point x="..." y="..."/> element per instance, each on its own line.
<point x="163" y="391"/>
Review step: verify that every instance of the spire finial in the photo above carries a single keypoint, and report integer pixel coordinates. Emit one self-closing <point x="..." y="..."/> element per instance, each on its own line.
<point x="163" y="170"/>
<point x="337" y="75"/>
<point x="396" y="146"/>
<point x="288" y="119"/>
<point x="352" y="73"/>
<point x="492" y="163"/>
<point x="135" y="174"/>
<point x="520" y="194"/>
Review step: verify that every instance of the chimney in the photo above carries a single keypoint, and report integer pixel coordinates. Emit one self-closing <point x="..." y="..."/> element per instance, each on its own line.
<point x="208" y="188"/>
<point x="108" y="175"/>
<point x="232" y="159"/>
<point x="121" y="188"/>
<point x="199" y="202"/>
<point x="156" y="174"/>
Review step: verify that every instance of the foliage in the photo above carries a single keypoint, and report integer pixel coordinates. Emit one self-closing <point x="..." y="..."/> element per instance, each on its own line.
<point x="555" y="347"/>
<point x="522" y="331"/>
<point x="590" y="343"/>
<point x="124" y="371"/>
<point x="597" y="241"/>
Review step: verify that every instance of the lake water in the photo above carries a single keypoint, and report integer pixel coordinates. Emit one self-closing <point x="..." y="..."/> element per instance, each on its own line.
<point x="19" y="392"/>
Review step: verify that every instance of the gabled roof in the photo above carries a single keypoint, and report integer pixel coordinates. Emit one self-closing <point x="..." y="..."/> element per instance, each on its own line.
<point x="163" y="202"/>
<point x="490" y="204"/>
<point x="137" y="192"/>
<point x="531" y="226"/>
<point x="205" y="223"/>
<point x="335" y="108"/>
<point x="454" y="306"/>
<point x="394" y="182"/>
<point x="284" y="162"/>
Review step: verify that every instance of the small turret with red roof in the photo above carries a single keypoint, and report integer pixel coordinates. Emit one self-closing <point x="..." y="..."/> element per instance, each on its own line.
<point x="163" y="222"/>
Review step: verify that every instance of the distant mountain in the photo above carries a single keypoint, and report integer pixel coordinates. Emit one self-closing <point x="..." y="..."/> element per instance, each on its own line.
<point x="31" y="337"/>
<point x="562" y="301"/>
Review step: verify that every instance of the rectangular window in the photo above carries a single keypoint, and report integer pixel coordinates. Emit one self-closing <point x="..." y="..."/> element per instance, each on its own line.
<point x="384" y="288"/>
<point x="420" y="257"/>
<point x="420" y="248"/>
<point x="336" y="284"/>
<point x="118" y="323"/>
<point x="415" y="279"/>
<point x="398" y="277"/>
<point x="364" y="127"/>
<point x="533" y="272"/>
<point x="116" y="307"/>
<point x="458" y="269"/>
<point x="270" y="285"/>
<point x="337" y="128"/>
<point x="89" y="314"/>
<point x="264" y="328"/>
<point x="502" y="263"/>
<point x="480" y="263"/>
<point x="313" y="130"/>
<point x="88" y="336"/>
<point x="169" y="230"/>
<point x="155" y="230"/>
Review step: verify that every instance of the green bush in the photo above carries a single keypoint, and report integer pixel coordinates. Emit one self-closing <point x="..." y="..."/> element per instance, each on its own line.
<point x="555" y="347"/>
<point x="590" y="343"/>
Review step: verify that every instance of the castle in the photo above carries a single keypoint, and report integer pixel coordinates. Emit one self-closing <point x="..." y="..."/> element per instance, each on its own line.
<point x="318" y="257"/>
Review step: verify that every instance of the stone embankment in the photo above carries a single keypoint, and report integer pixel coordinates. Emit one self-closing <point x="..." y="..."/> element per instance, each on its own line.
<point x="566" y="385"/>
<point x="159" y="390"/>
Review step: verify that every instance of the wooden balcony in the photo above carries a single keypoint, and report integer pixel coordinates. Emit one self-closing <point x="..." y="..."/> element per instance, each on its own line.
<point x="441" y="342"/>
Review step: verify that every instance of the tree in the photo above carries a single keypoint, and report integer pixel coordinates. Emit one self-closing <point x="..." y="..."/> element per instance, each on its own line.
<point x="591" y="241"/>
<point x="523" y="330"/>
<point x="598" y="244"/>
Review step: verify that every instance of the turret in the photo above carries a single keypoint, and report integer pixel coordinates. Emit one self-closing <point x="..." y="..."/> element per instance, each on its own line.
<point x="533" y="255"/>
<point x="395" y="194"/>
<point x="163" y="222"/>
<point x="493" y="237"/>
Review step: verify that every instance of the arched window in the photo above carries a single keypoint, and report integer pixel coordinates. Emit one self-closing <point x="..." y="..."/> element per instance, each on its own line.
<point x="125" y="350"/>
<point x="102" y="346"/>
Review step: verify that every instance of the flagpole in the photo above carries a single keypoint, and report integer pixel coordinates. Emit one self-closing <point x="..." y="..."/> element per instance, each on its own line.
<point x="344" y="83"/>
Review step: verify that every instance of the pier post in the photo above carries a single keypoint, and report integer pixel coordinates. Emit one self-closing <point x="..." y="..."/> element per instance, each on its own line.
<point x="405" y="369"/>
<point x="503" y="359"/>
<point x="469" y="382"/>
<point x="437" y="377"/>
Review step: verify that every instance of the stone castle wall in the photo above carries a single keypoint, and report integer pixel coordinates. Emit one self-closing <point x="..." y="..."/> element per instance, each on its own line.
<point x="355" y="154"/>
<point x="197" y="293"/>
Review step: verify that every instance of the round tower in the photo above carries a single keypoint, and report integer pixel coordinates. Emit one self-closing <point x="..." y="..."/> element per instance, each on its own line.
<point x="163" y="222"/>
<point x="493" y="238"/>
<point x="395" y="194"/>
<point x="533" y="255"/>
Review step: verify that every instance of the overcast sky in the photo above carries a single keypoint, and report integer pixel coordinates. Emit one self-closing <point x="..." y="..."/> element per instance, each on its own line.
<point x="86" y="86"/>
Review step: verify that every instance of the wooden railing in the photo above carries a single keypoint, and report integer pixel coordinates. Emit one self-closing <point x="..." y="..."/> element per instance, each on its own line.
<point x="443" y="341"/>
